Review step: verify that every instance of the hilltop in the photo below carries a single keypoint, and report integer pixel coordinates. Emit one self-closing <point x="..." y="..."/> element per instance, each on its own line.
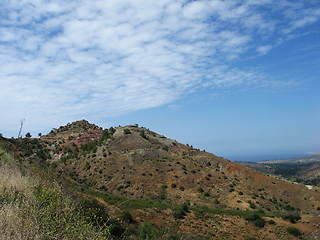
<point x="176" y="187"/>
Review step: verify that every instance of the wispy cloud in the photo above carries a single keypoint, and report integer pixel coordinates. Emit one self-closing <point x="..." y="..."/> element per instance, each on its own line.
<point x="72" y="59"/>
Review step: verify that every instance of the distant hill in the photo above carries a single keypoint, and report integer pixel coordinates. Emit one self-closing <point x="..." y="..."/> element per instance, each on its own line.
<point x="302" y="169"/>
<point x="311" y="159"/>
<point x="175" y="186"/>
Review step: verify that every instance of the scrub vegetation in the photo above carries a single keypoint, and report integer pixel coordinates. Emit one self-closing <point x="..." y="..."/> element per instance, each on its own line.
<point x="84" y="182"/>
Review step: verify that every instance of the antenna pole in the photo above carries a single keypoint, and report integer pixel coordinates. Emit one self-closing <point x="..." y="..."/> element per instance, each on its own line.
<point x="21" y="125"/>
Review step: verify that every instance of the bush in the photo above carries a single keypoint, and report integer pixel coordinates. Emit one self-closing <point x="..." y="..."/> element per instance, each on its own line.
<point x="126" y="131"/>
<point x="252" y="205"/>
<point x="253" y="217"/>
<point x="86" y="166"/>
<point x="143" y="134"/>
<point x="257" y="220"/>
<point x="292" y="217"/>
<point x="181" y="211"/>
<point x="272" y="222"/>
<point x="260" y="222"/>
<point x="206" y="194"/>
<point x="294" y="231"/>
<point x="59" y="218"/>
<point x="94" y="211"/>
<point x="147" y="231"/>
<point x="200" y="189"/>
<point x="174" y="237"/>
<point x="127" y="217"/>
<point x="178" y="213"/>
<point x="115" y="229"/>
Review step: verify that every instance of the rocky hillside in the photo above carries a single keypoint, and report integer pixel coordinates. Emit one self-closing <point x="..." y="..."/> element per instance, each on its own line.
<point x="153" y="177"/>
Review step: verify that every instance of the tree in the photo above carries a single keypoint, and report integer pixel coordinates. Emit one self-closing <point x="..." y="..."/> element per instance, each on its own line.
<point x="28" y="135"/>
<point x="294" y="231"/>
<point x="39" y="134"/>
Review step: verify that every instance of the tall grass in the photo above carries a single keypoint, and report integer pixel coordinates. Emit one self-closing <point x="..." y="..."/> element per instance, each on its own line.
<point x="31" y="208"/>
<point x="16" y="202"/>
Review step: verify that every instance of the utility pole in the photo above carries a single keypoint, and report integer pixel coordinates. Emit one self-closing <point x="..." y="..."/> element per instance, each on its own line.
<point x="21" y="125"/>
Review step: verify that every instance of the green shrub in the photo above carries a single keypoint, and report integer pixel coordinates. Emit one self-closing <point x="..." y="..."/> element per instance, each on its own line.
<point x="115" y="229"/>
<point x="178" y="213"/>
<point x="252" y="205"/>
<point x="147" y="231"/>
<point x="200" y="189"/>
<point x="206" y="194"/>
<point x="181" y="211"/>
<point x="126" y="131"/>
<point x="272" y="222"/>
<point x="257" y="220"/>
<point x="174" y="237"/>
<point x="86" y="166"/>
<point x="294" y="231"/>
<point x="289" y="208"/>
<point x="59" y="218"/>
<point x="143" y="134"/>
<point x="260" y="222"/>
<point x="127" y="217"/>
<point x="94" y="211"/>
<point x="253" y="217"/>
<point x="293" y="217"/>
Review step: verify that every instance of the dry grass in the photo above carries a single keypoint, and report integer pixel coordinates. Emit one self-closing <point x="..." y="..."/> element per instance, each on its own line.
<point x="33" y="208"/>
<point x="16" y="222"/>
<point x="11" y="180"/>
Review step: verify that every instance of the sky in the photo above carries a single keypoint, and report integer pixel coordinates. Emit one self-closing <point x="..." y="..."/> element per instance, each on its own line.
<point x="240" y="79"/>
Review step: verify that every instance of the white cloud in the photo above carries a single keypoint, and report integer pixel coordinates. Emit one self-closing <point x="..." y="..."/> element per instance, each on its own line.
<point x="264" y="49"/>
<point x="196" y="10"/>
<point x="64" y="60"/>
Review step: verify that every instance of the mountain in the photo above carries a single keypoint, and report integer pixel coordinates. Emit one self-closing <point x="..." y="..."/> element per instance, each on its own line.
<point x="178" y="188"/>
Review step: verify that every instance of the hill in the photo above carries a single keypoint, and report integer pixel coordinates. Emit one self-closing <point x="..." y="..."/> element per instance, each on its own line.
<point x="305" y="170"/>
<point x="183" y="191"/>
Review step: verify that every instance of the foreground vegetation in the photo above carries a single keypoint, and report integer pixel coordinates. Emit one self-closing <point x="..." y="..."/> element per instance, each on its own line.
<point x="32" y="206"/>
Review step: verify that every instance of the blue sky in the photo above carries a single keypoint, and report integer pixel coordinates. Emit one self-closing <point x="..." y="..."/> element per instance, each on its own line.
<point x="237" y="78"/>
